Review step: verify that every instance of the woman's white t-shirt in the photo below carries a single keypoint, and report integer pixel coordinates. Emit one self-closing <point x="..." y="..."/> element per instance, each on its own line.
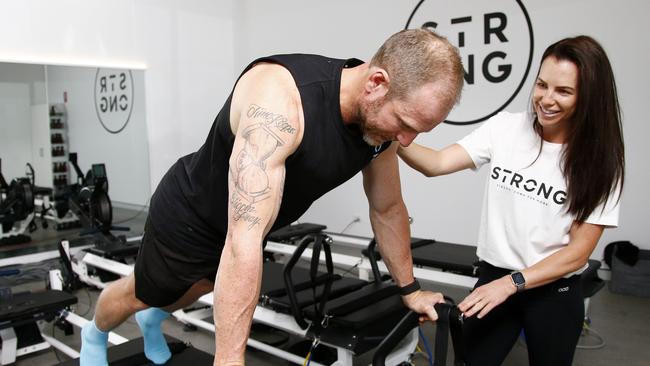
<point x="524" y="219"/>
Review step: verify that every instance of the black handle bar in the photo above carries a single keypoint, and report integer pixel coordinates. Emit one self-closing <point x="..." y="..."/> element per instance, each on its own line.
<point x="449" y="319"/>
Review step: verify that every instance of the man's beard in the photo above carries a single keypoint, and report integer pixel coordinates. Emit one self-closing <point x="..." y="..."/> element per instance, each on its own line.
<point x="370" y="110"/>
<point x="371" y="140"/>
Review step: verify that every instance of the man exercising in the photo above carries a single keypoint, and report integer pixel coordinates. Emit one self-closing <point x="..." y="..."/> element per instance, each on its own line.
<point x="294" y="127"/>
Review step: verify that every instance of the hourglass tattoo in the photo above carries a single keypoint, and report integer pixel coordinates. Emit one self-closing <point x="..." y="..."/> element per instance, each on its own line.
<point x="249" y="174"/>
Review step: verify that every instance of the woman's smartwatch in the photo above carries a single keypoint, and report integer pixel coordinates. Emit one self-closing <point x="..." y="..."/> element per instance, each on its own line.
<point x="518" y="280"/>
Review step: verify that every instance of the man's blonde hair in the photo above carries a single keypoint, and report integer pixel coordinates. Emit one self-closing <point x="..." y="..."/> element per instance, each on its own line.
<point x="415" y="57"/>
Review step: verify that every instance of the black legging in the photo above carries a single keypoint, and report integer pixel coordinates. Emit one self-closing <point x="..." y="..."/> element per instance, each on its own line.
<point x="550" y="316"/>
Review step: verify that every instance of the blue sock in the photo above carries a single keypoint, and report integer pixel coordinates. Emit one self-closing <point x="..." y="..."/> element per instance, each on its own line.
<point x="155" y="346"/>
<point x="93" y="346"/>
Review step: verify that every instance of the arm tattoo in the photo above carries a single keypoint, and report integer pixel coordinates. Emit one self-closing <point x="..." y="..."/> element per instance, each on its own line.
<point x="243" y="210"/>
<point x="270" y="119"/>
<point x="249" y="174"/>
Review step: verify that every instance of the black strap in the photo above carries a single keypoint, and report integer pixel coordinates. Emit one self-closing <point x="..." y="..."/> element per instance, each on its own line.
<point x="315" y="256"/>
<point x="449" y="321"/>
<point x="442" y="336"/>
<point x="410" y="288"/>
<point x="313" y="270"/>
<point x="373" y="260"/>
<point x="288" y="281"/>
<point x="329" y="265"/>
<point x="321" y="242"/>
<point x="456" y="330"/>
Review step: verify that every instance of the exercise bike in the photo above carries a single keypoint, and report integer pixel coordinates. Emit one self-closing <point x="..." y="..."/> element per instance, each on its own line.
<point x="16" y="210"/>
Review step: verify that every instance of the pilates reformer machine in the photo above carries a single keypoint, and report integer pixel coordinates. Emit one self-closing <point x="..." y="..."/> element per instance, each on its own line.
<point x="324" y="307"/>
<point x="457" y="265"/>
<point x="21" y="335"/>
<point x="19" y="314"/>
<point x="22" y="313"/>
<point x="434" y="261"/>
<point x="349" y="315"/>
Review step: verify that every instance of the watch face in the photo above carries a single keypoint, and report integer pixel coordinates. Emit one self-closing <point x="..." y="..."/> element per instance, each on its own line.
<point x="518" y="278"/>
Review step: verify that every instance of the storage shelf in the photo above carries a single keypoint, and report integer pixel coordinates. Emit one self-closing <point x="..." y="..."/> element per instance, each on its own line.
<point x="58" y="130"/>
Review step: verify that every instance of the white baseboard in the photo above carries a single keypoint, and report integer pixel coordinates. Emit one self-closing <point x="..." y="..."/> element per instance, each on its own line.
<point x="130" y="206"/>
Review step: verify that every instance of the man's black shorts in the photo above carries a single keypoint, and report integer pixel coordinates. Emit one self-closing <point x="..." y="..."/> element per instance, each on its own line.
<point x="163" y="273"/>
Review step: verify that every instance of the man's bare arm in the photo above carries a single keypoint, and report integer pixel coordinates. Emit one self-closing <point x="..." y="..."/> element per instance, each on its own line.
<point x="388" y="215"/>
<point x="389" y="219"/>
<point x="268" y="130"/>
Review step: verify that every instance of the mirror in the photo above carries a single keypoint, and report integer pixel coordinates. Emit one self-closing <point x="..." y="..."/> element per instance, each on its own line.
<point x="48" y="111"/>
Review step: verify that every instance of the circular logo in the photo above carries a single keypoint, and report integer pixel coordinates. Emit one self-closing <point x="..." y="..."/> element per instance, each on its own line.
<point x="495" y="39"/>
<point x="113" y="98"/>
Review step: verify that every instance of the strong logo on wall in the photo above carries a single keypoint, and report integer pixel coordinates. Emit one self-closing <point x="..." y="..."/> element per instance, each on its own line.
<point x="495" y="39"/>
<point x="113" y="98"/>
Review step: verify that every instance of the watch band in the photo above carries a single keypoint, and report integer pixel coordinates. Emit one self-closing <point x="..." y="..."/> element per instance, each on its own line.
<point x="410" y="288"/>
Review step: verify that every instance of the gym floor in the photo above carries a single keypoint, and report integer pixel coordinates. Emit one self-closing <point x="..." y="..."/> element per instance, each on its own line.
<point x="622" y="321"/>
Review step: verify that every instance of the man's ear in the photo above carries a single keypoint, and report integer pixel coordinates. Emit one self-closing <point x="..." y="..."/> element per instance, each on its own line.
<point x="377" y="83"/>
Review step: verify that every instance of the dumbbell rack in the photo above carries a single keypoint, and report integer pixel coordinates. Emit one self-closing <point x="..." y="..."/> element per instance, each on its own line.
<point x="59" y="146"/>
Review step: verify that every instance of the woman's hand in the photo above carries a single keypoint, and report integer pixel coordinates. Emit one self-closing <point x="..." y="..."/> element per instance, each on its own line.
<point x="485" y="298"/>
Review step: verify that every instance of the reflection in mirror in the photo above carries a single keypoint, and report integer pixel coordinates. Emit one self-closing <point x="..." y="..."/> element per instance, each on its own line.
<point x="23" y="109"/>
<point x="105" y="115"/>
<point x="48" y="111"/>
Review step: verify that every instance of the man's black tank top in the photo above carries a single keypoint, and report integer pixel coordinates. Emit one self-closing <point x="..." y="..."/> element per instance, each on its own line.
<point x="189" y="209"/>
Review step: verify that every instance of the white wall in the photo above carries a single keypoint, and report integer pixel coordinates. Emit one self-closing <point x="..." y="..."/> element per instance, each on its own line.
<point x="448" y="208"/>
<point x="41" y="145"/>
<point x="193" y="50"/>
<point x="21" y="88"/>
<point x="186" y="46"/>
<point x="188" y="49"/>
